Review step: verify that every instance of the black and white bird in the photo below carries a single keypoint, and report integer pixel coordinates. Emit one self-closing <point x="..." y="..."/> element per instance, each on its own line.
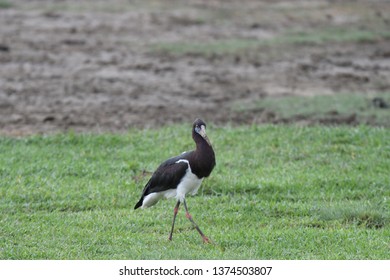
<point x="181" y="175"/>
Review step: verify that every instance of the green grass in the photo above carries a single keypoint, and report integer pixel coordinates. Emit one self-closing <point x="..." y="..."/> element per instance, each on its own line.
<point x="277" y="192"/>
<point x="333" y="34"/>
<point x="239" y="45"/>
<point x="219" y="47"/>
<point x="79" y="7"/>
<point x="325" y="106"/>
<point x="4" y="4"/>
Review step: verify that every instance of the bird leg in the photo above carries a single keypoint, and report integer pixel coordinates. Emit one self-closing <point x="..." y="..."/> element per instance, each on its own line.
<point x="189" y="217"/>
<point x="175" y="210"/>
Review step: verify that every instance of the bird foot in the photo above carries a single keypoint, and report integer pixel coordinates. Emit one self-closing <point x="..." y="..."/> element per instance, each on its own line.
<point x="206" y="240"/>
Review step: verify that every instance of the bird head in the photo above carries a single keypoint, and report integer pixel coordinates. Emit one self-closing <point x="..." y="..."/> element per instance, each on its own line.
<point x="199" y="127"/>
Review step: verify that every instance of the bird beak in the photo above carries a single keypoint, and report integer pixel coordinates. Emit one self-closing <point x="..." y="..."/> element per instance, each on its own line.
<point x="202" y="132"/>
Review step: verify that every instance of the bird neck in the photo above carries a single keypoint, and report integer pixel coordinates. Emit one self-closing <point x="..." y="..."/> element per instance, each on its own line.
<point x="204" y="158"/>
<point x="203" y="148"/>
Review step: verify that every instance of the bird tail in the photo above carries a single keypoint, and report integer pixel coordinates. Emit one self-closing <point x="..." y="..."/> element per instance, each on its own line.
<point x="139" y="203"/>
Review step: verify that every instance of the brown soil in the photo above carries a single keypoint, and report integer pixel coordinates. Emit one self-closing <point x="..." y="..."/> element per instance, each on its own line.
<point x="92" y="66"/>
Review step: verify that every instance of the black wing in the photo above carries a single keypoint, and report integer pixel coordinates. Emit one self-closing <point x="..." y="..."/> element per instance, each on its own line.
<point x="167" y="176"/>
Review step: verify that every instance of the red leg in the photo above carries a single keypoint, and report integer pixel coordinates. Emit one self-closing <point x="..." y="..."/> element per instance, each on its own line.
<point x="175" y="210"/>
<point x="189" y="217"/>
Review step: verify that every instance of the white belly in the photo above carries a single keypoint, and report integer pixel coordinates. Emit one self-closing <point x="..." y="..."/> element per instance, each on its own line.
<point x="189" y="184"/>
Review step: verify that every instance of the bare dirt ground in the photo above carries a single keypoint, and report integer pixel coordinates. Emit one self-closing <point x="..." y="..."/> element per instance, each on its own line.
<point x="112" y="65"/>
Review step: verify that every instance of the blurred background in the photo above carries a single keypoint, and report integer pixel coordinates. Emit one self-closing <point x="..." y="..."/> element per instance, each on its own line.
<point x="107" y="66"/>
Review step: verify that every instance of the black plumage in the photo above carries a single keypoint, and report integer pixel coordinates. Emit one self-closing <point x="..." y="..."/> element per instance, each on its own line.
<point x="181" y="175"/>
<point x="167" y="175"/>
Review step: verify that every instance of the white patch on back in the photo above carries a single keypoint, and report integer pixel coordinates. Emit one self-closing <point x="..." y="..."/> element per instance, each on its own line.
<point x="189" y="184"/>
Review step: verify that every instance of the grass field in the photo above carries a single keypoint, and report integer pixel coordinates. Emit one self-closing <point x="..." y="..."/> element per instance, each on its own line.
<point x="277" y="192"/>
<point x="240" y="45"/>
<point x="319" y="107"/>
